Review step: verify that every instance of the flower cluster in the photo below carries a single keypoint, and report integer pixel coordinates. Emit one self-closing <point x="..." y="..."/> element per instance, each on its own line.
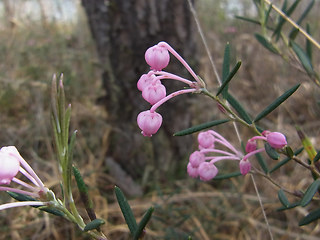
<point x="154" y="92"/>
<point x="202" y="162"/>
<point x="11" y="163"/>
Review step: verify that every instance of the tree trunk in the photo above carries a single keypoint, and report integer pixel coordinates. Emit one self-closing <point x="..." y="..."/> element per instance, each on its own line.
<point x="123" y="30"/>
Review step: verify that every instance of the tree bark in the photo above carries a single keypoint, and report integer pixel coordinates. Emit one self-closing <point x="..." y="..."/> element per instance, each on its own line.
<point x="123" y="30"/>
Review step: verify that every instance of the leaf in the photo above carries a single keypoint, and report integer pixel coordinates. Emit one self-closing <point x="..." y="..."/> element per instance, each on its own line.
<point x="303" y="57"/>
<point x="200" y="127"/>
<point x="276" y="103"/>
<point x="224" y="85"/>
<point x="317" y="157"/>
<point x="51" y="210"/>
<point x="294" y="31"/>
<point x="309" y="44"/>
<point x="289" y="151"/>
<point x="292" y="205"/>
<point x="226" y="176"/>
<point x="267" y="14"/>
<point x="283" y="198"/>
<point x="20" y="197"/>
<point x="312" y="189"/>
<point x="126" y="210"/>
<point x="312" y="216"/>
<point x="284" y="161"/>
<point x="282" y="21"/>
<point x="248" y="20"/>
<point x="225" y="71"/>
<point x="266" y="43"/>
<point x="84" y="194"/>
<point x="262" y="163"/>
<point x="240" y="110"/>
<point x="95" y="224"/>
<point x="272" y="153"/>
<point x="142" y="224"/>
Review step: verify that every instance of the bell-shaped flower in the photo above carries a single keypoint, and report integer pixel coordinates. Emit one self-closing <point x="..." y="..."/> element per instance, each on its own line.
<point x="145" y="80"/>
<point x="245" y="166"/>
<point x="157" y="57"/>
<point x="196" y="158"/>
<point x="251" y="146"/>
<point x="149" y="122"/>
<point x="276" y="140"/>
<point x="154" y="92"/>
<point x="192" y="171"/>
<point x="206" y="140"/>
<point x="207" y="171"/>
<point x="9" y="164"/>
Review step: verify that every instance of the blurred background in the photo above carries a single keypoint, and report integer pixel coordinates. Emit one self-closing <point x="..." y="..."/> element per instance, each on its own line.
<point x="99" y="47"/>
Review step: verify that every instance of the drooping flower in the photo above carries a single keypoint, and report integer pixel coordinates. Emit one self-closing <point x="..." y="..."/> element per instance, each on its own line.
<point x="149" y="122"/>
<point x="196" y="158"/>
<point x="154" y="92"/>
<point x="251" y="146"/>
<point x="207" y="171"/>
<point x="245" y="166"/>
<point x="276" y="140"/>
<point x="9" y="165"/>
<point x="157" y="57"/>
<point x="206" y="140"/>
<point x="192" y="171"/>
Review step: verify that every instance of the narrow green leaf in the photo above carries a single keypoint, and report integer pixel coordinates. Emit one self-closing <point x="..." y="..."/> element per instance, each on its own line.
<point x="200" y="127"/>
<point x="225" y="70"/>
<point x="312" y="216"/>
<point x="248" y="20"/>
<point x="143" y="223"/>
<point x="224" y="85"/>
<point x="71" y="145"/>
<point x="282" y="21"/>
<point x="51" y="210"/>
<point x="284" y="161"/>
<point x="303" y="57"/>
<point x="20" y="197"/>
<point x="283" y="198"/>
<point x="291" y="205"/>
<point x="294" y="31"/>
<point x="226" y="176"/>
<point x="84" y="194"/>
<point x="276" y="103"/>
<point x="240" y="110"/>
<point x="309" y="45"/>
<point x="262" y="163"/>
<point x="312" y="189"/>
<point x="266" y="43"/>
<point x="126" y="210"/>
<point x="272" y="153"/>
<point x="66" y="125"/>
<point x="267" y="14"/>
<point x="95" y="224"/>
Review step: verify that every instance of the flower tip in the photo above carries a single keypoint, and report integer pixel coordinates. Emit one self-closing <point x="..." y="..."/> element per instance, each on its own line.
<point x="245" y="167"/>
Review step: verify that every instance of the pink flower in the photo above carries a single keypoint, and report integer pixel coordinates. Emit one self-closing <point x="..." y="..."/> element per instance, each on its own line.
<point x="196" y="158"/>
<point x="245" y="166"/>
<point x="276" y="140"/>
<point x="251" y="146"/>
<point x="157" y="57"/>
<point x="9" y="164"/>
<point x="149" y="122"/>
<point x="207" y="171"/>
<point x="192" y="171"/>
<point x="145" y="80"/>
<point x="154" y="92"/>
<point x="206" y="140"/>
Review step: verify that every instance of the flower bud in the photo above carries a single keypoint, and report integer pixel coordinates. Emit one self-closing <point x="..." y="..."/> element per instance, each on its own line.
<point x="9" y="164"/>
<point x="251" y="146"/>
<point x="154" y="92"/>
<point x="276" y="140"/>
<point x="207" y="171"/>
<point x="144" y="81"/>
<point x="206" y="140"/>
<point x="157" y="57"/>
<point x="192" y="171"/>
<point x="149" y="122"/>
<point x="196" y="158"/>
<point x="245" y="166"/>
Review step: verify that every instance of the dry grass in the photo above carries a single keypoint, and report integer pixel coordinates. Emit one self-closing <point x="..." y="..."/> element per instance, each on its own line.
<point x="32" y="52"/>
